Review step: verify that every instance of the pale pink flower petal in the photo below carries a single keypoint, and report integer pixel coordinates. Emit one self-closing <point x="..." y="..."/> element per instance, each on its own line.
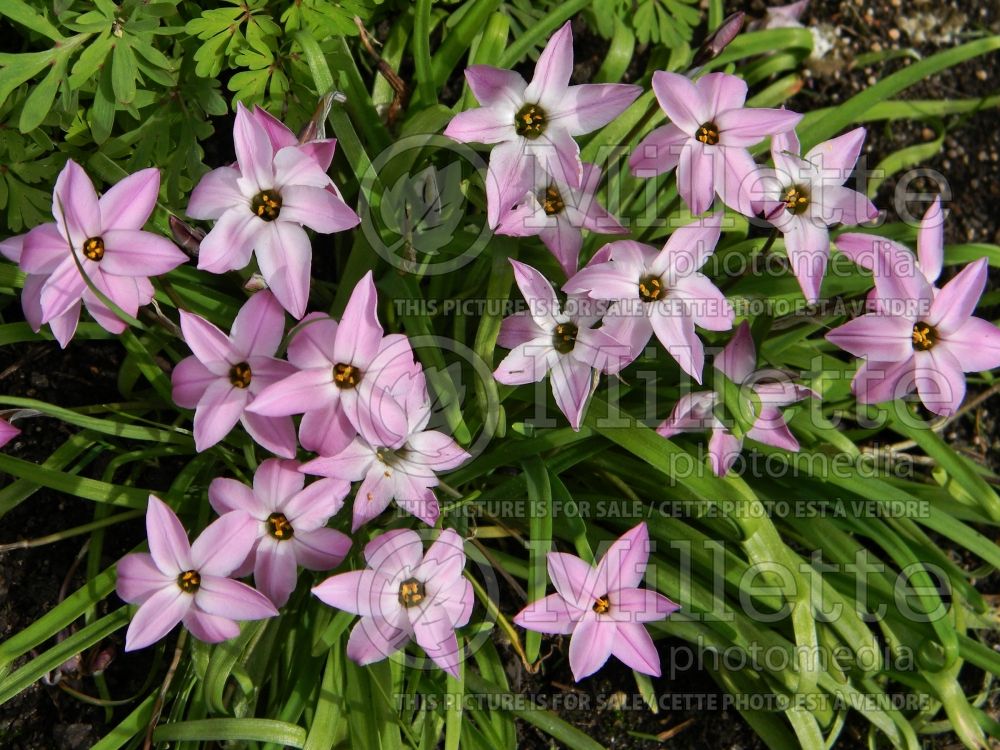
<point x="508" y="177"/>
<point x="930" y="241"/>
<point x="374" y="640"/>
<point x="358" y="591"/>
<point x="284" y="254"/>
<point x="259" y="325"/>
<point x="224" y="544"/>
<point x="43" y="249"/>
<point x="659" y="152"/>
<point x="770" y="428"/>
<point x="676" y="333"/>
<point x="218" y="411"/>
<point x="696" y="175"/>
<point x="226" y="495"/>
<point x="129" y="203"/>
<point x="585" y="108"/>
<point x="230" y="243"/>
<point x="624" y="564"/>
<point x="683" y="103"/>
<point x="553" y="68"/>
<point x="693" y="411"/>
<point x="75" y="205"/>
<point x="316" y="208"/>
<point x="550" y="614"/>
<point x="253" y="150"/>
<point x="311" y="507"/>
<point x="957" y="300"/>
<point x="225" y="597"/>
<point x="320" y="549"/>
<point x="882" y="337"/>
<point x="190" y="379"/>
<point x="939" y="380"/>
<point x="722" y="91"/>
<point x="739" y="358"/>
<point x="210" y="628"/>
<point x="483" y="125"/>
<point x="841" y="205"/>
<point x="326" y="431"/>
<point x="517" y="329"/>
<point x="572" y="578"/>
<point x="493" y="86"/>
<point x="975" y="344"/>
<point x="635" y="648"/>
<point x="216" y="192"/>
<point x="571" y="385"/>
<point x="275" y="570"/>
<point x="139" y="578"/>
<point x="723" y="450"/>
<point x="157" y="616"/>
<point x="590" y="645"/>
<point x="299" y="393"/>
<point x="877" y="381"/>
<point x="749" y="126"/>
<point x="808" y="248"/>
<point x="276" y="434"/>
<point x="641" y="605"/>
<point x="838" y="155"/>
<point x="279" y="134"/>
<point x="361" y="326"/>
<point x="168" y="542"/>
<point x="435" y="634"/>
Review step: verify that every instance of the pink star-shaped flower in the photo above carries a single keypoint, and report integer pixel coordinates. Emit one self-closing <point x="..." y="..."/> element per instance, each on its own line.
<point x="405" y="594"/>
<point x="602" y="607"/>
<point x="660" y="292"/>
<point x="696" y="411"/>
<point x="226" y="373"/>
<point x="535" y="121"/>
<point x="290" y="524"/>
<point x="708" y="138"/>
<point x="181" y="582"/>
<point x="261" y="206"/>
<point x="102" y="236"/>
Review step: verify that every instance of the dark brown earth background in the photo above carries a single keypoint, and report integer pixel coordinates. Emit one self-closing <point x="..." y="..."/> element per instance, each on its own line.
<point x="31" y="581"/>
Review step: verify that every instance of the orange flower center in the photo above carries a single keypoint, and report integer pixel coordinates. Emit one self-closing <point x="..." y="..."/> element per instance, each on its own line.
<point x="529" y="122"/>
<point x="411" y="592"/>
<point x="924" y="336"/>
<point x="240" y="374"/>
<point x="708" y="134"/>
<point x="796" y="200"/>
<point x="279" y="527"/>
<point x="93" y="249"/>
<point x="346" y="376"/>
<point x="189" y="581"/>
<point x="551" y="200"/>
<point x="651" y="289"/>
<point x="266" y="204"/>
<point x="564" y="337"/>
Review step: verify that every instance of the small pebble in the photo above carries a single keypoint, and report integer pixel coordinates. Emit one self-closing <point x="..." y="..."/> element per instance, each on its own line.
<point x="894" y="34"/>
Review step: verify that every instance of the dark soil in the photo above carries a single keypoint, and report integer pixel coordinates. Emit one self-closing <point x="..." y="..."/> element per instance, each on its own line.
<point x="606" y="706"/>
<point x="33" y="581"/>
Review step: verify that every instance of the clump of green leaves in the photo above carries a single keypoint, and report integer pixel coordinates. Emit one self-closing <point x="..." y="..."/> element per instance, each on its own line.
<point x="137" y="83"/>
<point x="667" y="22"/>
